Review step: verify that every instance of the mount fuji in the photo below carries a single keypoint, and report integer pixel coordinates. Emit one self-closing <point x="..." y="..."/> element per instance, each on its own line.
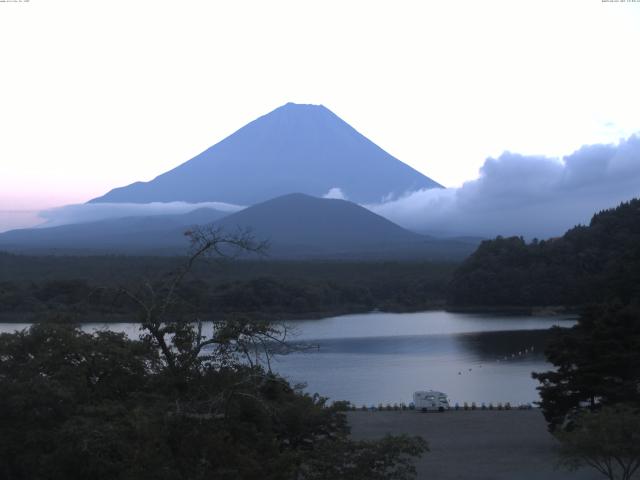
<point x="294" y="148"/>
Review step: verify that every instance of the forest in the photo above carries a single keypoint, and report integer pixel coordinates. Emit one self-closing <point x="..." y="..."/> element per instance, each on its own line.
<point x="90" y="288"/>
<point x="593" y="263"/>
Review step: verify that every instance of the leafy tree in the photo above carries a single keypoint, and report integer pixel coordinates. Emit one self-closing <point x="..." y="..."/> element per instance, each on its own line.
<point x="54" y="376"/>
<point x="607" y="440"/>
<point x="597" y="363"/>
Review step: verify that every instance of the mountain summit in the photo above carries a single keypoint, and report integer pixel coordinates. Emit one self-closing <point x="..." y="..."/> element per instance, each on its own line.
<point x="295" y="148"/>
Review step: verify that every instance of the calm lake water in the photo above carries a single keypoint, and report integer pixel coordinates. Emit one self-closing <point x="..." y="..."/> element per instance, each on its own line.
<point x="384" y="357"/>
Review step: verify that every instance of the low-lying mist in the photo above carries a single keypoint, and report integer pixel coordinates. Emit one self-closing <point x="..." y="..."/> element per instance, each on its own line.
<point x="90" y="212"/>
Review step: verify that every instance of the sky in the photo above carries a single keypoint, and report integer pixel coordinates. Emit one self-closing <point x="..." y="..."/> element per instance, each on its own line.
<point x="96" y="95"/>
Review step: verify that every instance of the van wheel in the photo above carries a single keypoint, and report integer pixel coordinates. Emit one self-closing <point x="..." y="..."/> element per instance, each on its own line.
<point x="441" y="409"/>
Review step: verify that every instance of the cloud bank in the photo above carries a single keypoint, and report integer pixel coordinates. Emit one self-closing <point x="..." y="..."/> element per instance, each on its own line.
<point x="533" y="196"/>
<point x="90" y="212"/>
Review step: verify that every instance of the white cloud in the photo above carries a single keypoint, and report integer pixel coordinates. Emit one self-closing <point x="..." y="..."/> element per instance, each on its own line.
<point x="335" y="193"/>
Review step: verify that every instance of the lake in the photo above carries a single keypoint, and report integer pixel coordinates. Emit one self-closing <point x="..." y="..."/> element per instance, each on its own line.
<point x="384" y="357"/>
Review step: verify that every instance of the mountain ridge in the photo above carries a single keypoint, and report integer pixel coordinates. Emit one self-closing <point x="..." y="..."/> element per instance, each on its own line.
<point x="298" y="226"/>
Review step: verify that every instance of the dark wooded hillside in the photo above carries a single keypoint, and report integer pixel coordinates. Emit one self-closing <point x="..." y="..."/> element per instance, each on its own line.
<point x="587" y="264"/>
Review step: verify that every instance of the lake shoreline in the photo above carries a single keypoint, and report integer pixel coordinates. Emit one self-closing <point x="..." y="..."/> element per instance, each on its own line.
<point x="532" y="310"/>
<point x="105" y="318"/>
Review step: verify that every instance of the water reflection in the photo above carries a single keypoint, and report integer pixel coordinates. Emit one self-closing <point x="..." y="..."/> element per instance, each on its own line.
<point x="517" y="345"/>
<point x="383" y="358"/>
<point x="473" y="367"/>
<point x="418" y="323"/>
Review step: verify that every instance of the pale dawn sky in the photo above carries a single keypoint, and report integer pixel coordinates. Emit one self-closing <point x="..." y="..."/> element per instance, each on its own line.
<point x="98" y="94"/>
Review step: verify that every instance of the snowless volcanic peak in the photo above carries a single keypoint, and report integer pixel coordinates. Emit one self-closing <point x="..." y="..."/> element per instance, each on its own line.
<point x="295" y="148"/>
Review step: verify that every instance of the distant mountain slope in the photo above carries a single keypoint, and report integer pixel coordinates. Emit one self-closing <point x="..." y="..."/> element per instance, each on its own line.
<point x="301" y="226"/>
<point x="587" y="264"/>
<point x="295" y="148"/>
<point x="296" y="225"/>
<point x="323" y="224"/>
<point x="117" y="235"/>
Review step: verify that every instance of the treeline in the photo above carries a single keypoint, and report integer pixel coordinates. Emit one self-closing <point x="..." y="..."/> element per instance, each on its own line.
<point x="594" y="263"/>
<point x="46" y="286"/>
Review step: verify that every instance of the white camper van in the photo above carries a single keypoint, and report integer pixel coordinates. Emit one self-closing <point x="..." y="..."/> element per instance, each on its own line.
<point x="430" y="401"/>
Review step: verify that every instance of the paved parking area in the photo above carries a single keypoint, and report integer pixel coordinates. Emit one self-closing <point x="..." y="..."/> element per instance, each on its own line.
<point x="474" y="445"/>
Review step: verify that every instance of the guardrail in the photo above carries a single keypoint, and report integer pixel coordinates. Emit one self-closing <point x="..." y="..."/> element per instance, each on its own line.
<point x="456" y="407"/>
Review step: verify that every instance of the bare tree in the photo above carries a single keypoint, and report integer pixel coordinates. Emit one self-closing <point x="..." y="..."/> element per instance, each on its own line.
<point x="182" y="341"/>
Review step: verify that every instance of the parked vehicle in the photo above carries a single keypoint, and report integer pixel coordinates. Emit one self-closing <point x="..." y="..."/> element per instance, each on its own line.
<point x="430" y="401"/>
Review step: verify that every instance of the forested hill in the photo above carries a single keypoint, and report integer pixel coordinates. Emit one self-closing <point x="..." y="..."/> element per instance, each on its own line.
<point x="587" y="264"/>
